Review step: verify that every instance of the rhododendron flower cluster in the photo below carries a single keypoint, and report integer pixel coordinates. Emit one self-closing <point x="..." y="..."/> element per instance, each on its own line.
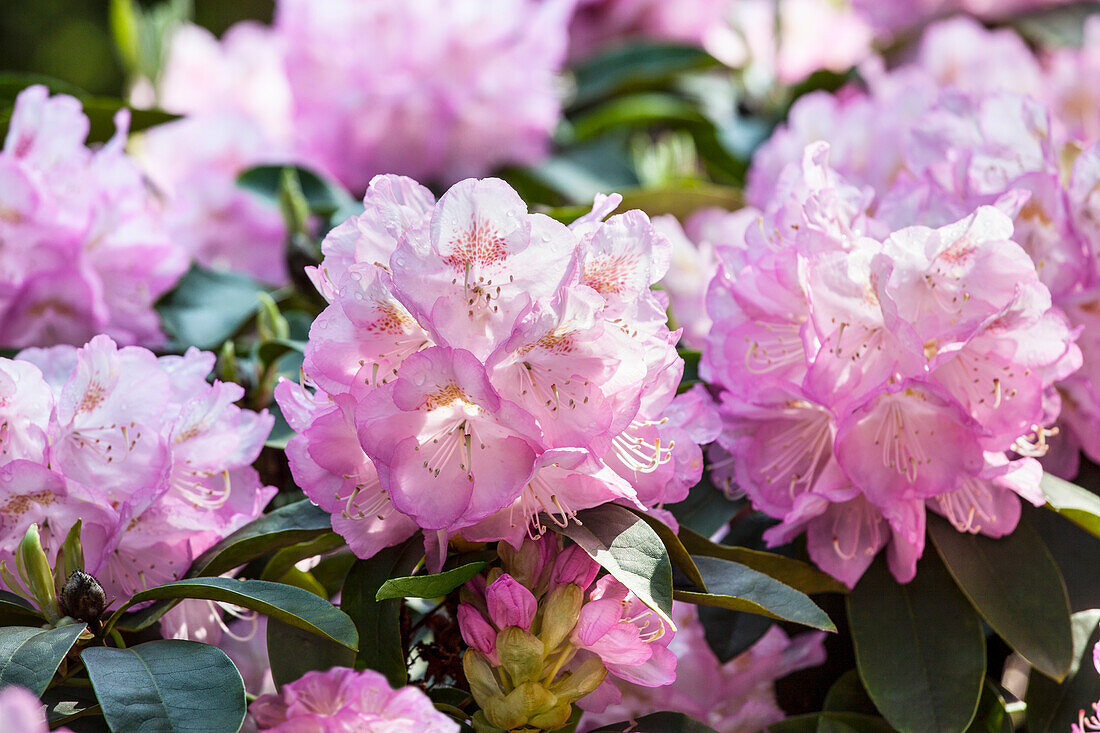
<point x="236" y="96"/>
<point x="84" y="249"/>
<point x="735" y="697"/>
<point x="896" y="15"/>
<point x="480" y="368"/>
<point x="977" y="120"/>
<point x="868" y="372"/>
<point x="152" y="459"/>
<point x="438" y="89"/>
<point x="543" y="635"/>
<point x="343" y="699"/>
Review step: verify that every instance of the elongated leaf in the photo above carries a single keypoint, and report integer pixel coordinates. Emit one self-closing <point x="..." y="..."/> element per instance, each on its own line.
<point x="636" y="65"/>
<point x="664" y="722"/>
<point x="831" y="722"/>
<point x="628" y="549"/>
<point x="286" y="558"/>
<point x="795" y="573"/>
<point x="428" y="586"/>
<point x="739" y="588"/>
<point x="705" y="510"/>
<point x="847" y="695"/>
<point x="290" y="525"/>
<point x="919" y="647"/>
<point x="293" y="652"/>
<point x="729" y="633"/>
<point x="1080" y="506"/>
<point x="29" y="656"/>
<point x="206" y="307"/>
<point x="1016" y="587"/>
<point x="379" y="622"/>
<point x="1053" y="706"/>
<point x="677" y="553"/>
<point x="290" y="605"/>
<point x="167" y="686"/>
<point x="637" y="110"/>
<point x="992" y="716"/>
<point x="17" y="611"/>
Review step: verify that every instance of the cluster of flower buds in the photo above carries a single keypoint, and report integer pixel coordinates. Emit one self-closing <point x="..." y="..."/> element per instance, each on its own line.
<point x="545" y="634"/>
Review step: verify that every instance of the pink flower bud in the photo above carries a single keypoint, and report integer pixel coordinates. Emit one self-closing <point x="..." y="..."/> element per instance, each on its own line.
<point x="476" y="631"/>
<point x="510" y="604"/>
<point x="574" y="566"/>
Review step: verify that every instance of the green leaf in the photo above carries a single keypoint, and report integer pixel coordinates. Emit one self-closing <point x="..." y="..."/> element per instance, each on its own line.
<point x="1016" y="587"/>
<point x="705" y="510"/>
<point x="799" y="575"/>
<point x="1053" y="706"/>
<point x="428" y="586"/>
<point x="729" y="633"/>
<point x="324" y="197"/>
<point x="29" y="656"/>
<point x="633" y="66"/>
<point x="919" y="647"/>
<point x="287" y="603"/>
<point x="17" y="611"/>
<point x="847" y="695"/>
<point x="679" y="556"/>
<point x="664" y="722"/>
<point x="283" y="560"/>
<point x="992" y="716"/>
<point x="208" y="307"/>
<point x="738" y="588"/>
<point x="630" y="550"/>
<point x="831" y="722"/>
<point x="379" y="622"/>
<point x="637" y="110"/>
<point x="1080" y="506"/>
<point x="293" y="652"/>
<point x="167" y="686"/>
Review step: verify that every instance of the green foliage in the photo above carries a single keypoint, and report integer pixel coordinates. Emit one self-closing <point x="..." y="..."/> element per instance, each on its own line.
<point x="831" y="722"/>
<point x="207" y="307"/>
<point x="626" y="546"/>
<point x="738" y="588"/>
<point x="1016" y="587"/>
<point x="1080" y="506"/>
<point x="16" y="611"/>
<point x="293" y="652"/>
<point x="428" y="586"/>
<point x="30" y="656"/>
<point x="321" y="196"/>
<point x="1053" y="705"/>
<point x="664" y="722"/>
<point x="678" y="554"/>
<point x="919" y="647"/>
<point x="169" y="686"/>
<point x="705" y="510"/>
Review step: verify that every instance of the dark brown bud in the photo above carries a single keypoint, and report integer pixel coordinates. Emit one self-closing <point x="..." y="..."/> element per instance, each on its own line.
<point x="82" y="597"/>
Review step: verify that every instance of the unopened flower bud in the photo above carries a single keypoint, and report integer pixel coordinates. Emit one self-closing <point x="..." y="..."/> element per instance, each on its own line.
<point x="521" y="654"/>
<point x="581" y="681"/>
<point x="528" y="563"/>
<point x="554" y="718"/>
<point x="574" y="565"/>
<point x="520" y="705"/>
<point x="560" y="612"/>
<point x="477" y="632"/>
<point x="34" y="569"/>
<point x="483" y="683"/>
<point x="82" y="597"/>
<point x="510" y="604"/>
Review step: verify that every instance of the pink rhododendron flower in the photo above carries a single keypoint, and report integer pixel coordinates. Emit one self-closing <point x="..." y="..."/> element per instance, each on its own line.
<point x="895" y="15"/>
<point x="237" y="100"/>
<point x="85" y="250"/>
<point x="154" y="460"/>
<point x="22" y="712"/>
<point x="735" y="697"/>
<point x="436" y="90"/>
<point x="600" y="23"/>
<point x="849" y="355"/>
<point x="344" y="699"/>
<point x="480" y="367"/>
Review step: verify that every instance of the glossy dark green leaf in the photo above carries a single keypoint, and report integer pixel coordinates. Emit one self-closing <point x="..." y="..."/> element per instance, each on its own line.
<point x="65" y="704"/>
<point x="287" y="603"/>
<point x="919" y="647"/>
<point x="847" y="695"/>
<point x="663" y="722"/>
<point x="17" y="611"/>
<point x="1076" y="504"/>
<point x="207" y="307"/>
<point x="677" y="553"/>
<point x="1015" y="586"/>
<point x="323" y="197"/>
<point x="992" y="717"/>
<point x="1068" y="543"/>
<point x="168" y="686"/>
<point x="293" y="652"/>
<point x="578" y="173"/>
<point x="637" y="110"/>
<point x="635" y="65"/>
<point x="729" y="633"/>
<point x="30" y="656"/>
<point x="795" y="573"/>
<point x="630" y="550"/>
<point x="831" y="722"/>
<point x="738" y="588"/>
<point x="286" y="558"/>
<point x="1053" y="706"/>
<point x="428" y="586"/>
<point x="379" y="622"/>
<point x="705" y="510"/>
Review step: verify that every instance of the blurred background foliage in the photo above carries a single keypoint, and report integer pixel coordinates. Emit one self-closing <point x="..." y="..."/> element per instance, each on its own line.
<point x="71" y="39"/>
